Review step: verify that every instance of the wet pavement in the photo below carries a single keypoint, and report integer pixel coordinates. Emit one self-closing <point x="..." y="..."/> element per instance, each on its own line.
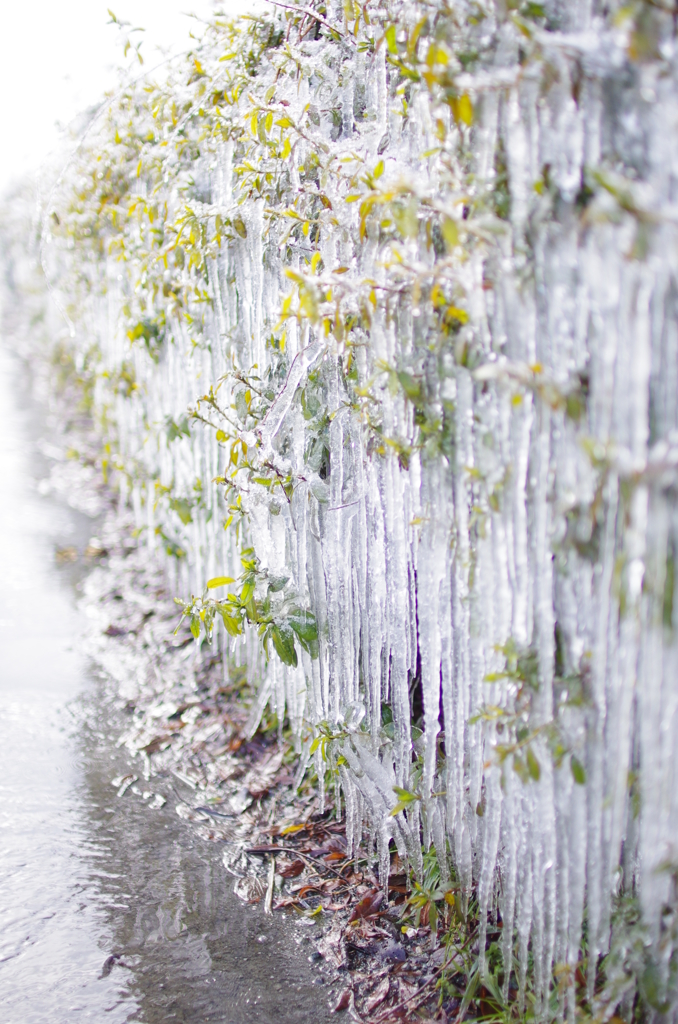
<point x="109" y="910"/>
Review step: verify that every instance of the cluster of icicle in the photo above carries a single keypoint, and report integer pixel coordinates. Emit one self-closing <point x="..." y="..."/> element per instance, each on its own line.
<point x="544" y="537"/>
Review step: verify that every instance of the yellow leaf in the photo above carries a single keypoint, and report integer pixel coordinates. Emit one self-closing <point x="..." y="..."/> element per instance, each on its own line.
<point x="219" y="581"/>
<point x="450" y="232"/>
<point x="436" y="55"/>
<point x="462" y="108"/>
<point x="455" y="313"/>
<point x="286" y="150"/>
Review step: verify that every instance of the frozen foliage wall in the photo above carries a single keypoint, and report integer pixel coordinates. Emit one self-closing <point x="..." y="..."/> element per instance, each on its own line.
<point x="414" y="269"/>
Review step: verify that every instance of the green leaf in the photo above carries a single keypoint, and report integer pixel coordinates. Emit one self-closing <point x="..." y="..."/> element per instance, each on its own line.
<point x="653" y="988"/>
<point x="405" y="217"/>
<point x="182" y="507"/>
<point x="241" y="406"/>
<point x="247" y="591"/>
<point x="283" y="641"/>
<point x="304" y="625"/>
<point x="230" y="621"/>
<point x="578" y="771"/>
<point x="532" y="765"/>
<point x="240" y="226"/>
<point x="195" y="626"/>
<point x="533" y="10"/>
<point x="405" y="797"/>
<point x="175" y="430"/>
<point x="410" y="386"/>
<point x="219" y="581"/>
<point x="520" y="768"/>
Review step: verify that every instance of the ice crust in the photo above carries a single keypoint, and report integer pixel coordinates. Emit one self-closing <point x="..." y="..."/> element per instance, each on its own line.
<point x="524" y="573"/>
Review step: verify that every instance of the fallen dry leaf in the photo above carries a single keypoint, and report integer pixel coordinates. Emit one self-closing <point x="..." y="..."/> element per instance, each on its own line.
<point x="397" y="883"/>
<point x="308" y="888"/>
<point x="332" y="946"/>
<point x="368" y="906"/>
<point x="260" y="779"/>
<point x="250" y="889"/>
<point x="343" y="1001"/>
<point x="292" y="870"/>
<point x="378" y="996"/>
<point x="406" y="990"/>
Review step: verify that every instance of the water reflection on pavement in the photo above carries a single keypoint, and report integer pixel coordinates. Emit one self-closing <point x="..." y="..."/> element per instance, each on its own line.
<point x="109" y="911"/>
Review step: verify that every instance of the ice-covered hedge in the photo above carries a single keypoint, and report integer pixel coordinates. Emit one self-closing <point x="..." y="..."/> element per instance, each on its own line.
<point x="383" y="298"/>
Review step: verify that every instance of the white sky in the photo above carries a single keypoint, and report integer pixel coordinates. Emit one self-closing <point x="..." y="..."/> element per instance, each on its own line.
<point x="57" y="57"/>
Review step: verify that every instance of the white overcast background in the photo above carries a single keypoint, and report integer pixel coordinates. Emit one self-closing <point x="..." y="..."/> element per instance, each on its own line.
<point x="57" y="58"/>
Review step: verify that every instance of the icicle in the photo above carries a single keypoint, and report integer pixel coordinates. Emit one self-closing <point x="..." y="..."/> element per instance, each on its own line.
<point x="485" y="491"/>
<point x="510" y="837"/>
<point x="492" y="822"/>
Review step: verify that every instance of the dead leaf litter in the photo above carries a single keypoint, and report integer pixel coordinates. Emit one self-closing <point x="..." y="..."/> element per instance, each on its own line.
<point x="187" y="730"/>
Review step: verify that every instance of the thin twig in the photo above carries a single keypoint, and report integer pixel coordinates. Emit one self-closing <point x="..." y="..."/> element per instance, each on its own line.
<point x="268" y="903"/>
<point x="311" y="13"/>
<point x="297" y="853"/>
